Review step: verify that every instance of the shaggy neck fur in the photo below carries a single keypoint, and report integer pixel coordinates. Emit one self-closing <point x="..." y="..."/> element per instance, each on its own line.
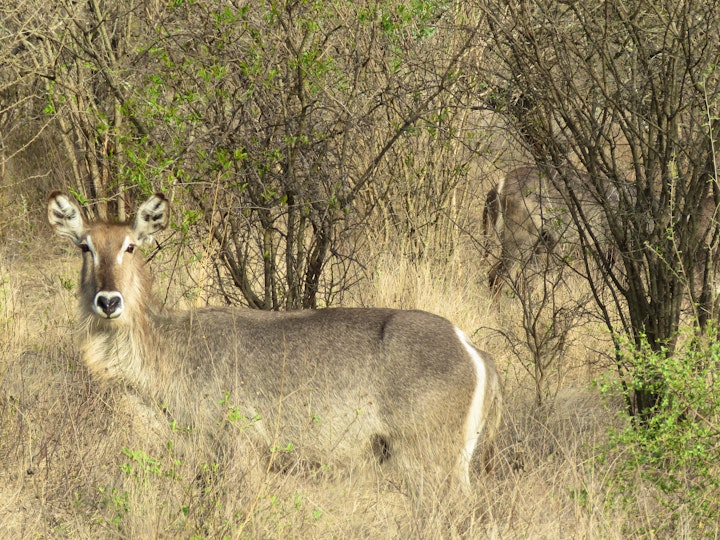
<point x="119" y="350"/>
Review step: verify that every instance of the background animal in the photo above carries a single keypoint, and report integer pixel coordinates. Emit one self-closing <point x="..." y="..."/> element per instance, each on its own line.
<point x="529" y="212"/>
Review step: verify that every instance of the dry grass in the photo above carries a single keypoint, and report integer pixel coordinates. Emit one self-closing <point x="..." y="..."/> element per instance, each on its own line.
<point x="78" y="462"/>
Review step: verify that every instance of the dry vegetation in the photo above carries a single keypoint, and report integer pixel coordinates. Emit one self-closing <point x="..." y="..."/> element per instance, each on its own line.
<point x="339" y="153"/>
<point x="77" y="463"/>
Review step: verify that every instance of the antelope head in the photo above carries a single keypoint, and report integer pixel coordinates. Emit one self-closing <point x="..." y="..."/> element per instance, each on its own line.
<point x="114" y="283"/>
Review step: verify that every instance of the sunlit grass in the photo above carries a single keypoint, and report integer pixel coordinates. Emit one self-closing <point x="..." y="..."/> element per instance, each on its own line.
<point x="79" y="461"/>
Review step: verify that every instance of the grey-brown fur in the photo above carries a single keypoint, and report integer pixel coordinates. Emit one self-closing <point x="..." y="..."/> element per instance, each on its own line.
<point x="334" y="386"/>
<point x="527" y="214"/>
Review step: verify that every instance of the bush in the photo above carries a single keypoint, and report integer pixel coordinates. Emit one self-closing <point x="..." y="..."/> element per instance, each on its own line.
<point x="675" y="452"/>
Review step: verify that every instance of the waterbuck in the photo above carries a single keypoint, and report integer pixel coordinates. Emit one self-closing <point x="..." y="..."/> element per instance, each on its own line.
<point x="396" y="388"/>
<point x="530" y="212"/>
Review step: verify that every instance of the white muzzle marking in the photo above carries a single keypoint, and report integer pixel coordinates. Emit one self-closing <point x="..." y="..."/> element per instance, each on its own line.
<point x="108" y="304"/>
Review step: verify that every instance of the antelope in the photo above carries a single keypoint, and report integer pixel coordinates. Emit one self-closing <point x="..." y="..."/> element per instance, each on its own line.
<point x="529" y="213"/>
<point x="337" y="385"/>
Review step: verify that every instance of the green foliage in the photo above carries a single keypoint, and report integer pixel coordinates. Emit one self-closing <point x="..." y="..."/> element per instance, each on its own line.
<point x="284" y="114"/>
<point x="67" y="283"/>
<point x="117" y="501"/>
<point x="677" y="449"/>
<point x="79" y="197"/>
<point x="189" y="487"/>
<point x="140" y="464"/>
<point x="281" y="117"/>
<point x="234" y="415"/>
<point x="417" y="17"/>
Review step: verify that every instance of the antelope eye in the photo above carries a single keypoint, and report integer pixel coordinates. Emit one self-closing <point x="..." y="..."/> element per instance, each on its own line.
<point x="130" y="248"/>
<point x="84" y="248"/>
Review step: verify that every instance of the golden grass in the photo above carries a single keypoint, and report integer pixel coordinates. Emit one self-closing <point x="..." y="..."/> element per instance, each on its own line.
<point x="79" y="462"/>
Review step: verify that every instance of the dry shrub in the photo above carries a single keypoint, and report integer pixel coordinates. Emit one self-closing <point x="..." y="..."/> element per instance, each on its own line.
<point x="79" y="461"/>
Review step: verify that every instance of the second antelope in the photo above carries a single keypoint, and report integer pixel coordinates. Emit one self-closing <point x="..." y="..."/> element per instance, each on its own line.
<point x="530" y="212"/>
<point x="396" y="388"/>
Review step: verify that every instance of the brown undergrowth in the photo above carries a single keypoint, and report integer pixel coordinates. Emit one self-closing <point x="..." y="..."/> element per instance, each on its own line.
<point x="82" y="462"/>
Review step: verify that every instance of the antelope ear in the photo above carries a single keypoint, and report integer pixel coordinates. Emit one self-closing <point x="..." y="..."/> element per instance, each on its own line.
<point x="65" y="217"/>
<point x="152" y="216"/>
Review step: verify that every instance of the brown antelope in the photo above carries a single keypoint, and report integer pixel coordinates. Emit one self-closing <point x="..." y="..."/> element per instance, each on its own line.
<point x="528" y="214"/>
<point x="333" y="385"/>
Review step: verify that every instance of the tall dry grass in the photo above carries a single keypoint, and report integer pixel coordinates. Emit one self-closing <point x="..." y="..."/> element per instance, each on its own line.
<point x="80" y="462"/>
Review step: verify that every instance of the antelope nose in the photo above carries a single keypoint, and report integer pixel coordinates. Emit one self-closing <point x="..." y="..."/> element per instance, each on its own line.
<point x="108" y="304"/>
